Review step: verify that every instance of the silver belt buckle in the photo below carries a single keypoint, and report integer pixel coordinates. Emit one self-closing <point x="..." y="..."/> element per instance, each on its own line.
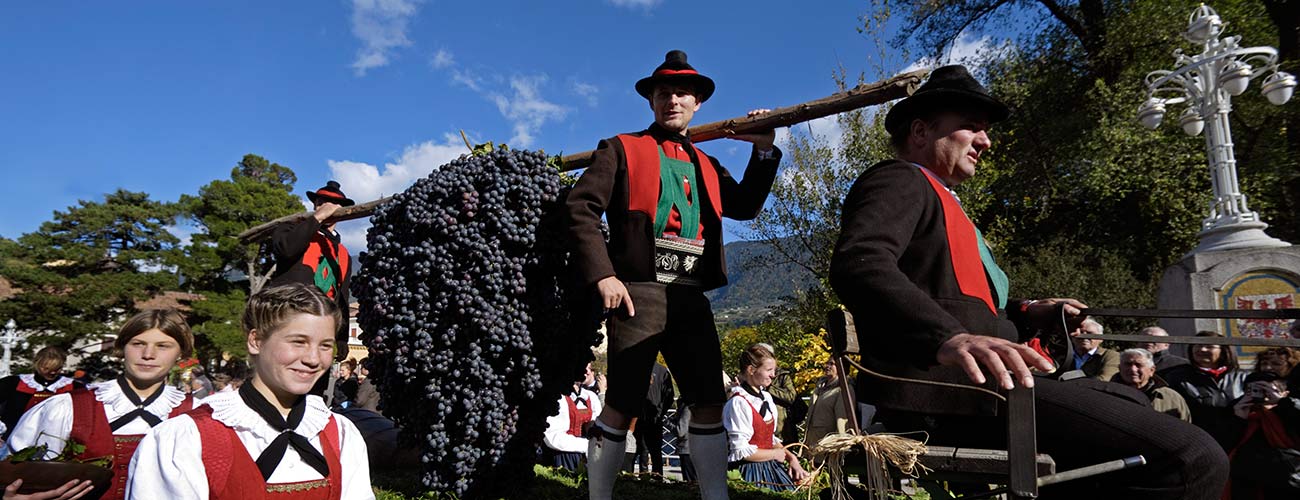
<point x="678" y="260"/>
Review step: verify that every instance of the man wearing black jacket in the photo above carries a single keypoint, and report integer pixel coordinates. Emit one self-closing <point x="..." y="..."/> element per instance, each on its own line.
<point x="664" y="200"/>
<point x="911" y="262"/>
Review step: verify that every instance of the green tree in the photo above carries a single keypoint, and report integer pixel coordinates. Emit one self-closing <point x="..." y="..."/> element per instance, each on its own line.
<point x="82" y="272"/>
<point x="216" y="262"/>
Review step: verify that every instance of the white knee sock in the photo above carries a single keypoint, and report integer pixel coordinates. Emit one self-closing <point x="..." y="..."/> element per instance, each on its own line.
<point x="709" y="456"/>
<point x="604" y="459"/>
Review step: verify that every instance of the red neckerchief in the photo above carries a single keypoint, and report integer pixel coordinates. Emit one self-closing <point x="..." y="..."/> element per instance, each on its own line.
<point x="1274" y="433"/>
<point x="1214" y="372"/>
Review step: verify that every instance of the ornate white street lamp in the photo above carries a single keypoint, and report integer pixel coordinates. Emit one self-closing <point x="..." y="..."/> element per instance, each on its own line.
<point x="9" y="340"/>
<point x="1207" y="82"/>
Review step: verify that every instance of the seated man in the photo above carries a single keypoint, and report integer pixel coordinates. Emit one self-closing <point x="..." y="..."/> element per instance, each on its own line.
<point x="909" y="258"/>
<point x="565" y="436"/>
<point x="1137" y="369"/>
<point x="1266" y="458"/>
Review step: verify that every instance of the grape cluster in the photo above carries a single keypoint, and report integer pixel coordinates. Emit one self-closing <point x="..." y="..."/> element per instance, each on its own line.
<point x="471" y="318"/>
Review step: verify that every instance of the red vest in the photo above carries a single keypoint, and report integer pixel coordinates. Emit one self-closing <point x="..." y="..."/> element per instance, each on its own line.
<point x="90" y="427"/>
<point x="642" y="154"/>
<point x="577" y="417"/>
<point x="763" y="430"/>
<point x="320" y="245"/>
<point x="38" y="396"/>
<point x="963" y="246"/>
<point x="224" y="457"/>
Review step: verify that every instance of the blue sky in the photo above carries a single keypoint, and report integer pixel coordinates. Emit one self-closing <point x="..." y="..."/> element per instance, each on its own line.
<point x="164" y="97"/>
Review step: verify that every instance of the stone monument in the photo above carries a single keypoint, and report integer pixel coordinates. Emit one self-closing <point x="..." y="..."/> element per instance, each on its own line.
<point x="1235" y="265"/>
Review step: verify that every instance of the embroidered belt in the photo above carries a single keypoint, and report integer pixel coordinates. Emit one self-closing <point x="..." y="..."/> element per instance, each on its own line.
<point x="295" y="487"/>
<point x="677" y="261"/>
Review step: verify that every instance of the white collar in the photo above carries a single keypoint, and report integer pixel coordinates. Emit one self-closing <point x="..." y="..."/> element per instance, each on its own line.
<point x="110" y="393"/>
<point x="229" y="409"/>
<point x="30" y="380"/>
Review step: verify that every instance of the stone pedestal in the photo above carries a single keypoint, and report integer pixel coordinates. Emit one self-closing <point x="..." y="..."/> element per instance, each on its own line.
<point x="1257" y="278"/>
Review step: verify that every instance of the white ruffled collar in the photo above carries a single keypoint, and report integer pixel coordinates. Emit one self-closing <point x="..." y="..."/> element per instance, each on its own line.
<point x="30" y="380"/>
<point x="755" y="402"/>
<point x="229" y="409"/>
<point x="110" y="393"/>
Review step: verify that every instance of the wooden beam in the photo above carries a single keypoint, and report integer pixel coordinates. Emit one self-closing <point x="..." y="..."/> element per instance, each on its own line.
<point x="867" y="94"/>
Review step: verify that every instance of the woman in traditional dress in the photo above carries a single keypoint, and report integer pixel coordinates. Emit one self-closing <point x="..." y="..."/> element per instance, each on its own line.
<point x="565" y="436"/>
<point x="750" y="419"/>
<point x="20" y="393"/>
<point x="269" y="439"/>
<point x="110" y="418"/>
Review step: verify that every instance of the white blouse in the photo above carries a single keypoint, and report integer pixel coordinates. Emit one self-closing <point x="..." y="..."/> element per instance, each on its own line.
<point x="169" y="461"/>
<point x="738" y="419"/>
<point x="557" y="426"/>
<point x="50" y="422"/>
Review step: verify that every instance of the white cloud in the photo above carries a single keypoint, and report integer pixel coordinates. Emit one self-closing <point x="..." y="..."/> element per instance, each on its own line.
<point x="467" y="78"/>
<point x="365" y="182"/>
<point x="826" y="129"/>
<point x="967" y="50"/>
<point x="526" y="109"/>
<point x="381" y="27"/>
<point x="585" y="90"/>
<point x="635" y="4"/>
<point x="442" y="59"/>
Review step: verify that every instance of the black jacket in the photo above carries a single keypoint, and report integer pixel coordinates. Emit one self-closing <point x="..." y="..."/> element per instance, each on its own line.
<point x="602" y="190"/>
<point x="893" y="269"/>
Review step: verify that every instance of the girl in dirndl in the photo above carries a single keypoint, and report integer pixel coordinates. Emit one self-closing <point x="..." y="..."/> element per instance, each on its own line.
<point x="111" y="418"/>
<point x="565" y="437"/>
<point x="269" y="439"/>
<point x="750" y="419"/>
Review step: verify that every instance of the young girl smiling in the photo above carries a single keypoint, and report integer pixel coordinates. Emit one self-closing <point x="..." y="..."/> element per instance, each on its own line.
<point x="750" y="420"/>
<point x="269" y="439"/>
<point x="111" y="418"/>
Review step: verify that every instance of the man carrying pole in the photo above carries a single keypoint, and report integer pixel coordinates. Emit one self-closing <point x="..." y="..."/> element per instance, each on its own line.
<point x="664" y="200"/>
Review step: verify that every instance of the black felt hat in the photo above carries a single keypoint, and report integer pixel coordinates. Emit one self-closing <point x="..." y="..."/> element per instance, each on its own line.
<point x="950" y="87"/>
<point x="330" y="194"/>
<point x="676" y="70"/>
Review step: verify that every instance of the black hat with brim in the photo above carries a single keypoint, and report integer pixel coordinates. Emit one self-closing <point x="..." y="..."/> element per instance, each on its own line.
<point x="331" y="193"/>
<point x="676" y="71"/>
<point x="950" y="88"/>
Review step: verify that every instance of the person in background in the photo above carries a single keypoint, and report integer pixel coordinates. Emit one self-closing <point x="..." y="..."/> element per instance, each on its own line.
<point x="1277" y="360"/>
<point x="794" y="410"/>
<point x="271" y="435"/>
<point x="750" y="420"/>
<point x="1096" y="362"/>
<point x="199" y="381"/>
<point x="826" y="414"/>
<point x="565" y="435"/>
<point x="20" y="393"/>
<point x="650" y="427"/>
<point x="221" y="383"/>
<point x="1210" y="384"/>
<point x="1164" y="358"/>
<point x="345" y="388"/>
<point x="1137" y="369"/>
<point x="367" y="393"/>
<point x="110" y="418"/>
<point x="1265" y="453"/>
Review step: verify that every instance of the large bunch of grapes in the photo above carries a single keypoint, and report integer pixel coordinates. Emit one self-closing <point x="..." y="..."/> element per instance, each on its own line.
<point x="465" y="300"/>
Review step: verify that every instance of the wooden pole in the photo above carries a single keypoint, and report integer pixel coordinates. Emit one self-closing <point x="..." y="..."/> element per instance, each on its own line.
<point x="861" y="96"/>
